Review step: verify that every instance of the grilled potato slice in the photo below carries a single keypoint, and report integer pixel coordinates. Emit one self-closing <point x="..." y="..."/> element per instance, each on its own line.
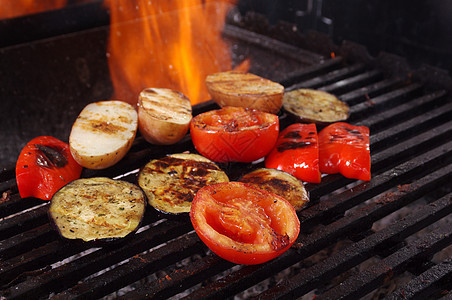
<point x="103" y="133"/>
<point x="98" y="208"/>
<point x="236" y="88"/>
<point x="280" y="183"/>
<point x="171" y="182"/>
<point x="314" y="106"/>
<point x="164" y="115"/>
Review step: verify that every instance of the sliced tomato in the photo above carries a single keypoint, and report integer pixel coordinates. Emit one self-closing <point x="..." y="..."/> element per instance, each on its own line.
<point x="296" y="152"/>
<point x="45" y="165"/>
<point x="345" y="149"/>
<point x="234" y="134"/>
<point x="244" y="224"/>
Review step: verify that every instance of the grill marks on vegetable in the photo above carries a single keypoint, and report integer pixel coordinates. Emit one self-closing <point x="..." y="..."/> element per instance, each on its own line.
<point x="171" y="182"/>
<point x="97" y="208"/>
<point x="106" y="126"/>
<point x="296" y="143"/>
<point x="49" y="157"/>
<point x="192" y="174"/>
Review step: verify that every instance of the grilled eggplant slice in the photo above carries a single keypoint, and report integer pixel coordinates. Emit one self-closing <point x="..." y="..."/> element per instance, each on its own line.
<point x="314" y="106"/>
<point x="280" y="183"/>
<point x="97" y="209"/>
<point x="171" y="182"/>
<point x="236" y="88"/>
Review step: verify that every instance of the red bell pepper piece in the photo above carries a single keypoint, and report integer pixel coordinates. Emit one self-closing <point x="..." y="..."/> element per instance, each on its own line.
<point x="45" y="165"/>
<point x="296" y="152"/>
<point x="344" y="148"/>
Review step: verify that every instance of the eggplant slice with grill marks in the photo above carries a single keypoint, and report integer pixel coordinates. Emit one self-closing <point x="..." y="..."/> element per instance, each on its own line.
<point x="171" y="182"/>
<point x="315" y="106"/>
<point x="97" y="209"/>
<point x="280" y="183"/>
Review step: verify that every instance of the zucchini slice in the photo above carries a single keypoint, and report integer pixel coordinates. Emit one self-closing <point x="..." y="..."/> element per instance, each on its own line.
<point x="171" y="182"/>
<point x="314" y="106"/>
<point x="97" y="208"/>
<point x="280" y="183"/>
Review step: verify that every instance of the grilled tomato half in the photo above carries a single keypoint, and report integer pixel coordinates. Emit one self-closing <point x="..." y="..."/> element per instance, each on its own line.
<point x="242" y="223"/>
<point x="234" y="134"/>
<point x="44" y="165"/>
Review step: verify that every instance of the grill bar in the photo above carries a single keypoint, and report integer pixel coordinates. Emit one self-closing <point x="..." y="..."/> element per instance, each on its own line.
<point x="330" y="77"/>
<point x="371" y="278"/>
<point x="362" y="250"/>
<point x="311" y="71"/>
<point x="411" y="142"/>
<point x="380" y="103"/>
<point x="424" y="285"/>
<point x="372" y="90"/>
<point x="180" y="279"/>
<point x="396" y="175"/>
<point x="71" y="273"/>
<point x="137" y="267"/>
<point x="348" y="84"/>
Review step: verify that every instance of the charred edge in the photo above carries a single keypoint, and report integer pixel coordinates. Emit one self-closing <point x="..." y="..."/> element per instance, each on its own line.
<point x="354" y="132"/>
<point x="292" y="135"/>
<point x="49" y="157"/>
<point x="293" y="145"/>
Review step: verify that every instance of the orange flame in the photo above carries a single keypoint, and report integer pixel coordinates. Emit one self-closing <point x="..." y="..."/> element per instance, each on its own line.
<point x="167" y="44"/>
<point x="17" y="8"/>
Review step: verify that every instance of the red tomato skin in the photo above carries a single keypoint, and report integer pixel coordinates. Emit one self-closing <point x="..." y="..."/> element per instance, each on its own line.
<point x="296" y="152"/>
<point x="236" y="251"/>
<point x="241" y="144"/>
<point x="35" y="180"/>
<point x="345" y="149"/>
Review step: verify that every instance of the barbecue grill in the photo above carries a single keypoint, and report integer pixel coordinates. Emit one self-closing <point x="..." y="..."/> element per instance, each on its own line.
<point x="390" y="236"/>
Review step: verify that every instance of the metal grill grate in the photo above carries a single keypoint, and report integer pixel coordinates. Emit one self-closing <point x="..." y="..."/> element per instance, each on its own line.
<point x="411" y="145"/>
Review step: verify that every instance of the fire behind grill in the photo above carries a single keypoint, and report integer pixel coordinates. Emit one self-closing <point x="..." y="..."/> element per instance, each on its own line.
<point x="357" y="238"/>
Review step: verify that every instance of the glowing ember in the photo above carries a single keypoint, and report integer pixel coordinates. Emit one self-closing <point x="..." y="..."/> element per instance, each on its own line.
<point x="17" y="8"/>
<point x="166" y="44"/>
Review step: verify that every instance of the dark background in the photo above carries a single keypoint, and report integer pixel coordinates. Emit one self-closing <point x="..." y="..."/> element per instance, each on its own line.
<point x="418" y="30"/>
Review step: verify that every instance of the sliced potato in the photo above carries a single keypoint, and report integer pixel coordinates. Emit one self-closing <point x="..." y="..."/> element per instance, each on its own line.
<point x="280" y="183"/>
<point x="171" y="182"/>
<point x="97" y="208"/>
<point x="314" y="106"/>
<point x="235" y="88"/>
<point x="164" y="115"/>
<point x="103" y="133"/>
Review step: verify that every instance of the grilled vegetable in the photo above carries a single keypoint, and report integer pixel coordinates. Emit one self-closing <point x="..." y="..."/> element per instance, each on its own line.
<point x="44" y="165"/>
<point x="297" y="152"/>
<point x="103" y="133"/>
<point x="97" y="208"/>
<point x="171" y="182"/>
<point x="163" y="115"/>
<point x="234" y="134"/>
<point x="345" y="149"/>
<point x="314" y="106"/>
<point x="244" y="224"/>
<point x="279" y="183"/>
<point x="235" y="88"/>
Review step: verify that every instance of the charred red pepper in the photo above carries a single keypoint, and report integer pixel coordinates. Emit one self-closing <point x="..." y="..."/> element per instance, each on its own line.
<point x="344" y="148"/>
<point x="45" y="165"/>
<point x="296" y="152"/>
